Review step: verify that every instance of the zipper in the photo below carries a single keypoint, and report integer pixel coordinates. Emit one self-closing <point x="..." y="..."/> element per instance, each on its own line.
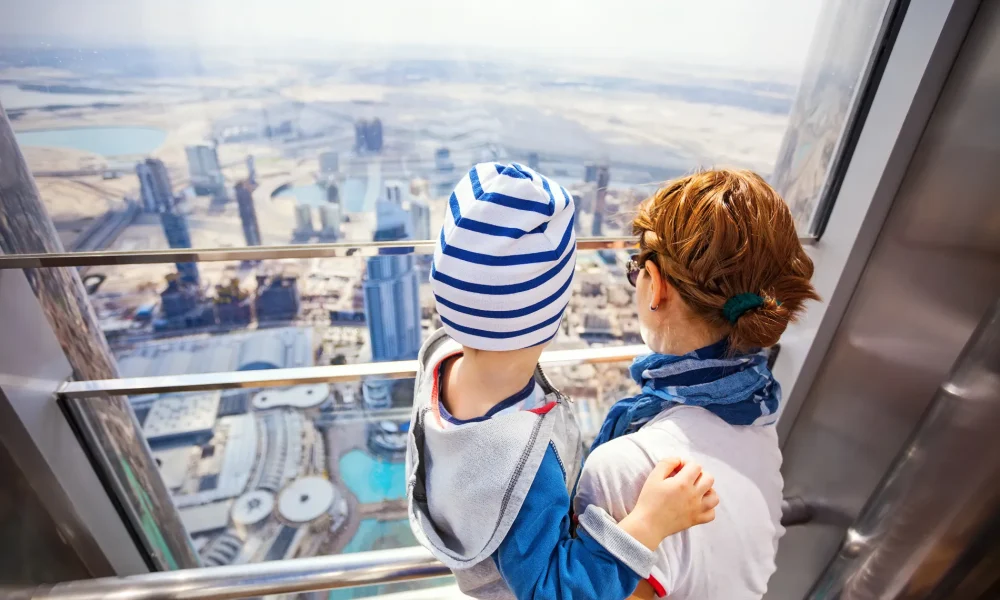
<point x="548" y="387"/>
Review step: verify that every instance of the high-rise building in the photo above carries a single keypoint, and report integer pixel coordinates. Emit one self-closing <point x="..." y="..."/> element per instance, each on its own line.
<point x="392" y="299"/>
<point x="600" y="208"/>
<point x="329" y="220"/>
<point x="175" y="228"/>
<point x="333" y="193"/>
<point x="248" y="212"/>
<point x="154" y="185"/>
<point x="277" y="298"/>
<point x="205" y="169"/>
<point x="368" y="136"/>
<point x="329" y="163"/>
<point x="442" y="160"/>
<point x="375" y="136"/>
<point x="177" y="300"/>
<point x="396" y="192"/>
<point x="157" y="196"/>
<point x="589" y="173"/>
<point x="251" y="170"/>
<point x="420" y="214"/>
<point x="232" y="304"/>
<point x="360" y="136"/>
<point x="533" y="161"/>
<point x="303" y="222"/>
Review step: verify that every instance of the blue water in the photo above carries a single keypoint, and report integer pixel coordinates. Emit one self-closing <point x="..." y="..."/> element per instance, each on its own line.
<point x="107" y="141"/>
<point x="373" y="479"/>
<point x="354" y="195"/>
<point x="373" y="534"/>
<point x="311" y="194"/>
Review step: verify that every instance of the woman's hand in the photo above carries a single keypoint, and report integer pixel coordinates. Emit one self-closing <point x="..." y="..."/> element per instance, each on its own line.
<point x="675" y="497"/>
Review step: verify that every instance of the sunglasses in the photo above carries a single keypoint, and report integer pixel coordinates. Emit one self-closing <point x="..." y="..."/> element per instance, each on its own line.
<point x="632" y="269"/>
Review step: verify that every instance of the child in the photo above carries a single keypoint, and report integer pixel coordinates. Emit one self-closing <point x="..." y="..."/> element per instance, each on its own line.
<point x="494" y="450"/>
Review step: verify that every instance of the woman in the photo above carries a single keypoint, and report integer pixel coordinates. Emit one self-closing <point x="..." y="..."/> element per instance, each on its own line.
<point x="719" y="275"/>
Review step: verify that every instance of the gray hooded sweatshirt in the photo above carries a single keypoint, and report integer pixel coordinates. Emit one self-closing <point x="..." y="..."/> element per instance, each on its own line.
<point x="491" y="499"/>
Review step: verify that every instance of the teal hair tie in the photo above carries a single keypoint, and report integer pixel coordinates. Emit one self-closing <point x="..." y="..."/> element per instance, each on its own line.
<point x="734" y="308"/>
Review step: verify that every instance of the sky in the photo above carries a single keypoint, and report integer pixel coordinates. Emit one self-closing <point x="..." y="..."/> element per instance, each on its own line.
<point x="756" y="34"/>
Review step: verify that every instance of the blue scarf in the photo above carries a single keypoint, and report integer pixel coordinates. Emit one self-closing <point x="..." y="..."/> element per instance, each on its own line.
<point x="739" y="389"/>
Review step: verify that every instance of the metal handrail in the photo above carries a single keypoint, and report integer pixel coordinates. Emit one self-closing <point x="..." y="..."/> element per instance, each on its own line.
<point x="305" y="375"/>
<point x="334" y="250"/>
<point x="244" y="581"/>
<point x="172" y="255"/>
<point x="283" y="576"/>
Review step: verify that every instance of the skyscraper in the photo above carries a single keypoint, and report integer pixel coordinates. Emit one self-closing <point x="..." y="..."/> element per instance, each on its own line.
<point x="442" y="160"/>
<point x="278" y="298"/>
<point x="303" y="222"/>
<point x="360" y="136"/>
<point x="420" y="213"/>
<point x="589" y="173"/>
<point x="329" y="222"/>
<point x="392" y="300"/>
<point x="375" y="136"/>
<point x="533" y="161"/>
<point x="175" y="228"/>
<point x="251" y="170"/>
<point x="157" y="196"/>
<point x="368" y="136"/>
<point x="205" y="170"/>
<point x="396" y="192"/>
<point x="248" y="212"/>
<point x="154" y="184"/>
<point x="603" y="178"/>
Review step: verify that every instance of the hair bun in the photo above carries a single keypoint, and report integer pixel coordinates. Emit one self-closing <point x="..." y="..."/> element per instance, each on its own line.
<point x="736" y="306"/>
<point x="760" y="325"/>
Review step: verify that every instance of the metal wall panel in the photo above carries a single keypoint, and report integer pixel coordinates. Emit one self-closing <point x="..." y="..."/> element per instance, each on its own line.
<point x="934" y="272"/>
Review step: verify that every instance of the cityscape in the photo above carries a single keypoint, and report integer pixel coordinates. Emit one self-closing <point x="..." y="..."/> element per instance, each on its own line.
<point x="133" y="149"/>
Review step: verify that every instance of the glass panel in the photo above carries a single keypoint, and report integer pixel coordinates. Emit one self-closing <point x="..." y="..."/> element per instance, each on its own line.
<point x="276" y="473"/>
<point x="152" y="126"/>
<point x="835" y="73"/>
<point x="218" y="451"/>
<point x="312" y="312"/>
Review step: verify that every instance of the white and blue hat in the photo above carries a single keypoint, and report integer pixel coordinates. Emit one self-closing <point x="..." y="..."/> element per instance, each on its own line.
<point x="504" y="263"/>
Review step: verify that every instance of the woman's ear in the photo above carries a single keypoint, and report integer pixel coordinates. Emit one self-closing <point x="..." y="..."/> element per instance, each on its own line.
<point x="657" y="285"/>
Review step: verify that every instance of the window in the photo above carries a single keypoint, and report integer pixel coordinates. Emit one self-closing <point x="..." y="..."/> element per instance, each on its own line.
<point x="222" y="124"/>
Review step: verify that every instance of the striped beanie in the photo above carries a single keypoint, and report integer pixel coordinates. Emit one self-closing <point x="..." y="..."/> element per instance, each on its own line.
<point x="505" y="258"/>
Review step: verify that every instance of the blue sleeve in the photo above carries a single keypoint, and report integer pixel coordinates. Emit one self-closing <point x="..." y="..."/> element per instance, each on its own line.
<point x="538" y="558"/>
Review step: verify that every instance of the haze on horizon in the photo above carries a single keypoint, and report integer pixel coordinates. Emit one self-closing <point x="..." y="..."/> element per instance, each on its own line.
<point x="769" y="35"/>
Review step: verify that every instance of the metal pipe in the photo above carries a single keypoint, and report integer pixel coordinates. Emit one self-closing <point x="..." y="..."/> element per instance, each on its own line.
<point x="122" y="457"/>
<point x="941" y="491"/>
<point x="335" y="250"/>
<point x="304" y="375"/>
<point x="276" y="577"/>
<point x="244" y="581"/>
<point x="172" y="255"/>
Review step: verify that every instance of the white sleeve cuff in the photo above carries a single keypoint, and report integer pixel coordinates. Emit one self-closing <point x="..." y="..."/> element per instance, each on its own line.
<point x="605" y="530"/>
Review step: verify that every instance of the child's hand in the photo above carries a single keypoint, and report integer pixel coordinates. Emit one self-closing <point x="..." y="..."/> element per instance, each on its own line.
<point x="676" y="496"/>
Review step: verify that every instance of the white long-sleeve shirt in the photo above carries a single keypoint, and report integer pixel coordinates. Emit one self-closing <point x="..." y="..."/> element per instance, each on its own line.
<point x="730" y="558"/>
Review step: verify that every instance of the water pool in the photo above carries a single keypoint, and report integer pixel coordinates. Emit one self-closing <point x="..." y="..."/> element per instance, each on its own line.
<point x="373" y="479"/>
<point x="310" y="194"/>
<point x="107" y="141"/>
<point x="356" y="195"/>
<point x="373" y="534"/>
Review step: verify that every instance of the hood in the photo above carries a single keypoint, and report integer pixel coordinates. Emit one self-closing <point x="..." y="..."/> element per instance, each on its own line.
<point x="466" y="484"/>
